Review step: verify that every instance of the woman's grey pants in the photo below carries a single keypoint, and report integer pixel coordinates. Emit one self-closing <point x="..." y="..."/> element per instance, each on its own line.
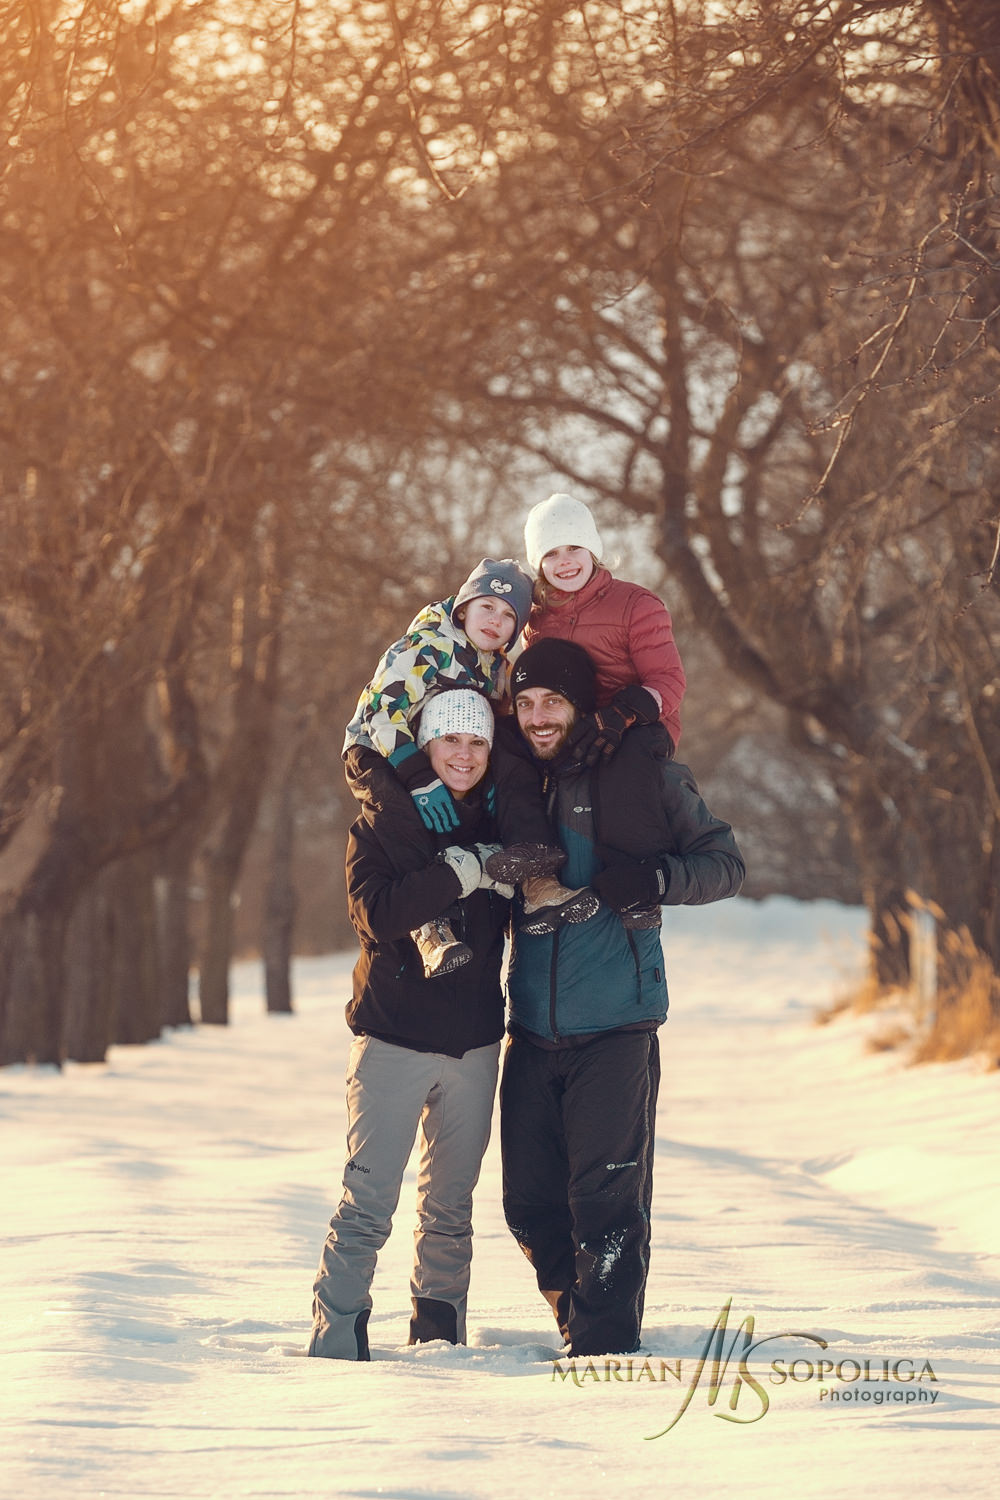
<point x="392" y="1091"/>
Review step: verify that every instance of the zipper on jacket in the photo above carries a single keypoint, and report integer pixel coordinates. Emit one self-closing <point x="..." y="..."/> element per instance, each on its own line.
<point x="635" y="960"/>
<point x="553" y="985"/>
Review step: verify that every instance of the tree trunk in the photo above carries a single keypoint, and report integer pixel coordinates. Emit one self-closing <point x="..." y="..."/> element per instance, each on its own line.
<point x="38" y="997"/>
<point x="40" y="920"/>
<point x="877" y="839"/>
<point x="216" y="947"/>
<point x="90" y="1018"/>
<point x="181" y="752"/>
<point x="959" y="853"/>
<point x="171" y="892"/>
<point x="97" y="809"/>
<point x="134" y="957"/>
<point x="33" y="979"/>
<point x="280" y="901"/>
<point x="240" y="780"/>
<point x="9" y="1045"/>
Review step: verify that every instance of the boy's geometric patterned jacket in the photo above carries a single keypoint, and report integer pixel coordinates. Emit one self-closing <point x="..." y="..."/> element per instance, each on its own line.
<point x="434" y="653"/>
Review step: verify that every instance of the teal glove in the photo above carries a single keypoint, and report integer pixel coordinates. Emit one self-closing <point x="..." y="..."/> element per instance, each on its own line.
<point x="434" y="801"/>
<point x="435" y="806"/>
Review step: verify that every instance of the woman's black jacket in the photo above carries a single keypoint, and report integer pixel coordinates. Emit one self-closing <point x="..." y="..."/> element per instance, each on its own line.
<point x="451" y="1013"/>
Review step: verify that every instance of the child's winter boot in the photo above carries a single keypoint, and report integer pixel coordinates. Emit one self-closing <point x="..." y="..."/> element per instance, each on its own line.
<point x="518" y="862"/>
<point x="547" y="904"/>
<point x="439" y="948"/>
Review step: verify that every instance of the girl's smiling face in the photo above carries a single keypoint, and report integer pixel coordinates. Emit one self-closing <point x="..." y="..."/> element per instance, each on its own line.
<point x="489" y="623"/>
<point x="567" y="568"/>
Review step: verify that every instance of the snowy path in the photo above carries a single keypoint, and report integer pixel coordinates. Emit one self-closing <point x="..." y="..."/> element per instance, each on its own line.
<point x="162" y="1217"/>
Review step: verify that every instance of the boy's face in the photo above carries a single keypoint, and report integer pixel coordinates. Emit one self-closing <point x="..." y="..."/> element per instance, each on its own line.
<point x="567" y="568"/>
<point x="489" y="623"/>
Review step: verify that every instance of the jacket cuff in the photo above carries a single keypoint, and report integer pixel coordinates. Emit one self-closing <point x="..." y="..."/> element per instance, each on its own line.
<point x="403" y="752"/>
<point x="412" y="767"/>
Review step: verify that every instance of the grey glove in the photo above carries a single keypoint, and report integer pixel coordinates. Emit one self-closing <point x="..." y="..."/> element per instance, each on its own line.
<point x="487" y="883"/>
<point x="465" y="865"/>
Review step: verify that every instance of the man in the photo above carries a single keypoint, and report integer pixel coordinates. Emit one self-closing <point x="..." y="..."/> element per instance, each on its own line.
<point x="581" y="1072"/>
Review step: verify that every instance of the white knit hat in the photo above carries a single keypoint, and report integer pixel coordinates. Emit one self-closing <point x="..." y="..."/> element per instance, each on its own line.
<point x="559" y="521"/>
<point x="455" y="711"/>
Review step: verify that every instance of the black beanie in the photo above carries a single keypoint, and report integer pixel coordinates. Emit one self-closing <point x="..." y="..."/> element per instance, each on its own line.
<point x="562" y="667"/>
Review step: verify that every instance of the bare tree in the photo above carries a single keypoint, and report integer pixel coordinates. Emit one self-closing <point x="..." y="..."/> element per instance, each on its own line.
<point x="209" y="213"/>
<point x="277" y="279"/>
<point x="741" y="279"/>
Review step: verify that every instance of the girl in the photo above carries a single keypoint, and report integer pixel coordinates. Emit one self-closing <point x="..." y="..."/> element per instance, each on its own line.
<point x="625" y="628"/>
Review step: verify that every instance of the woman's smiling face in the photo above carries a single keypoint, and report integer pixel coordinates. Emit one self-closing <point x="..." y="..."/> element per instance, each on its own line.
<point x="459" y="759"/>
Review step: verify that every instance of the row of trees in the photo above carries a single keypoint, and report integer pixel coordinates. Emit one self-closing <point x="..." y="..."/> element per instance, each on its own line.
<point x="771" y="325"/>
<point x="298" y="298"/>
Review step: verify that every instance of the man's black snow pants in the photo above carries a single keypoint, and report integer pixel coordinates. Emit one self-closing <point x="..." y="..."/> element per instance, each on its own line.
<point x="577" y="1127"/>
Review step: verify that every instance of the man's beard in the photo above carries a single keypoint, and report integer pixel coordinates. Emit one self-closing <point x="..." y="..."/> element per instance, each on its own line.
<point x="552" y="748"/>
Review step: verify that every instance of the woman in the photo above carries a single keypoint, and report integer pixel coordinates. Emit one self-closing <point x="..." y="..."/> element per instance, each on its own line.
<point x="425" y="1052"/>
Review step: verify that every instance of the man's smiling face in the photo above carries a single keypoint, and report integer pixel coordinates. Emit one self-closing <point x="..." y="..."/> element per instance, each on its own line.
<point x="545" y="718"/>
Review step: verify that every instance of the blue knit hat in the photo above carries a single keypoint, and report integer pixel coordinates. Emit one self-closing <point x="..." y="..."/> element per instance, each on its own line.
<point x="504" y="580"/>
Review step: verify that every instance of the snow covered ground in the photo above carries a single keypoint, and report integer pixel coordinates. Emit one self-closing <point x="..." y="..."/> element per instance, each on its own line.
<point x="162" y="1216"/>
